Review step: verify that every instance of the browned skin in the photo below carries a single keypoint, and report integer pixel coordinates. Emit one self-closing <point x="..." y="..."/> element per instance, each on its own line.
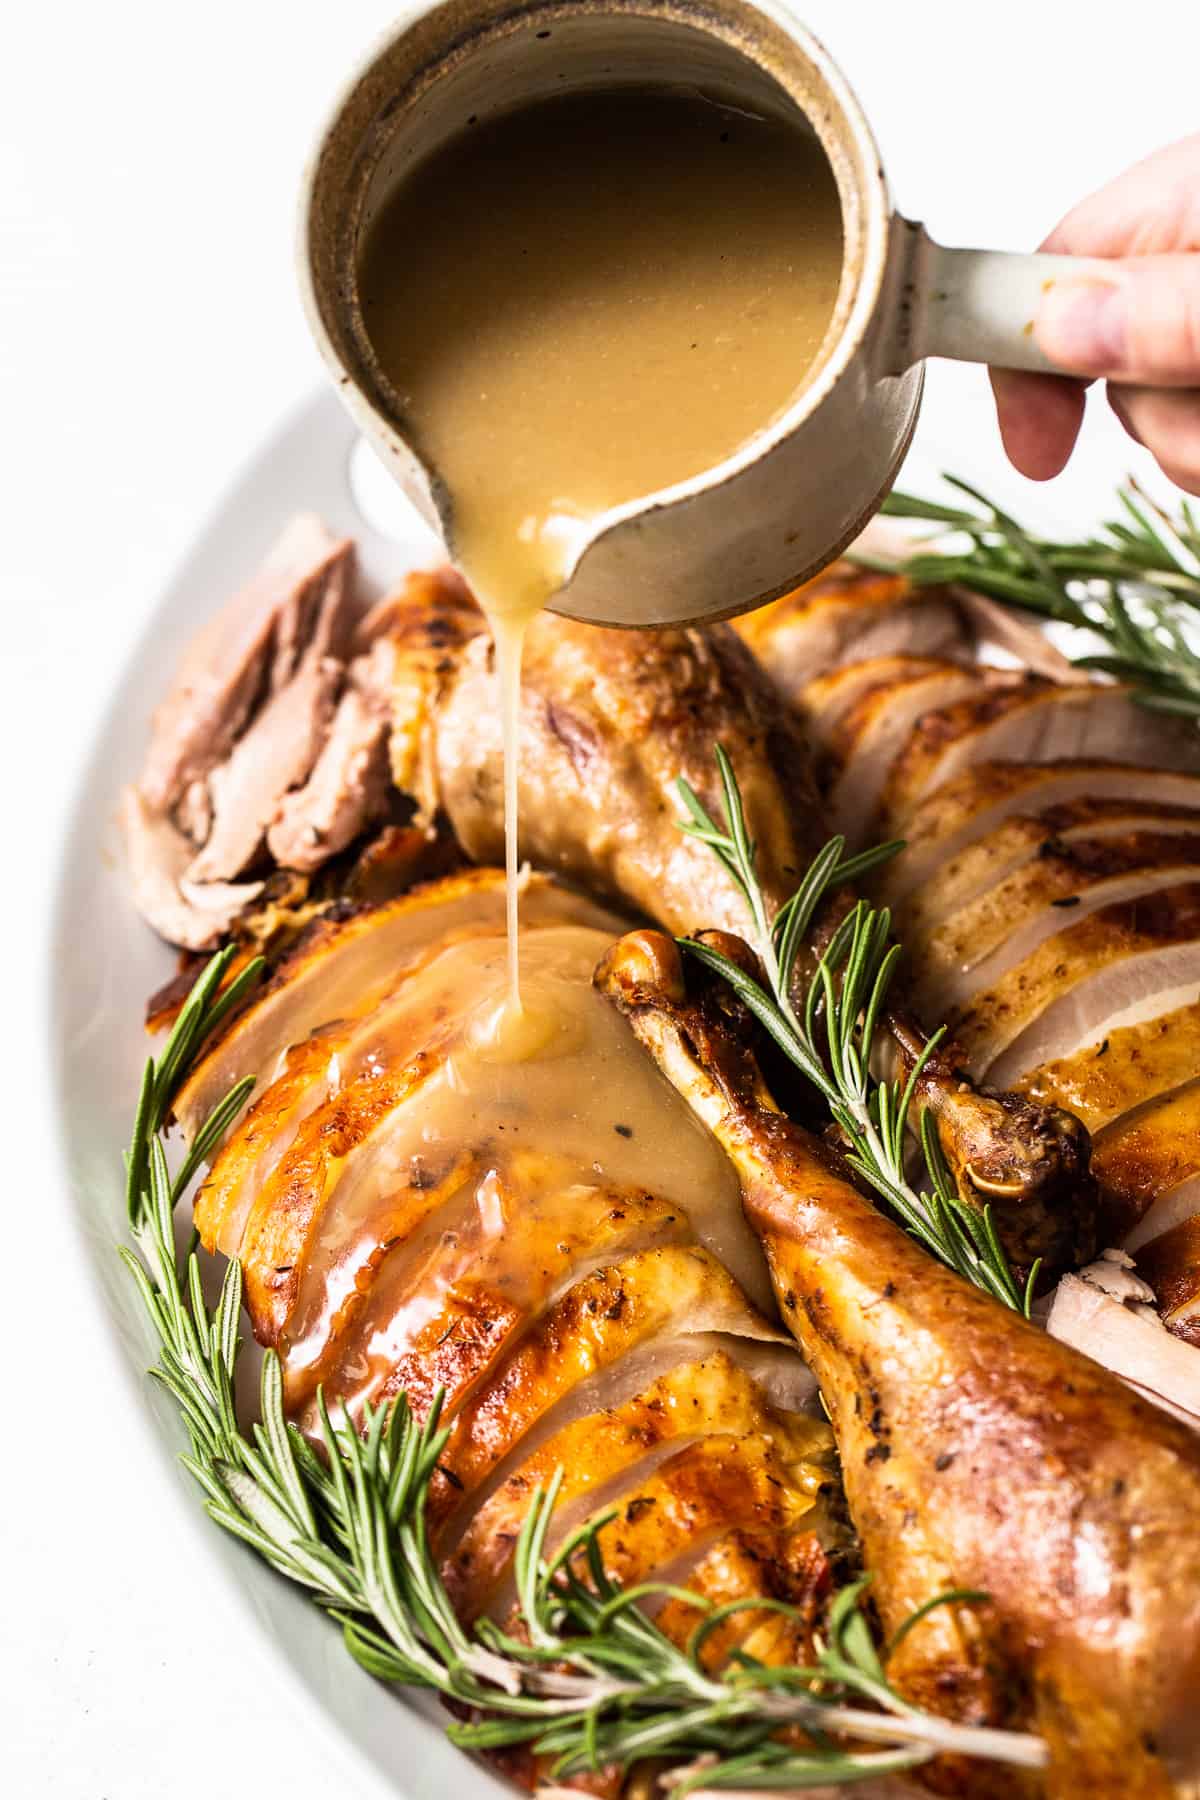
<point x="568" y="1323"/>
<point x="977" y="1452"/>
<point x="1171" y="1264"/>
<point x="609" y="720"/>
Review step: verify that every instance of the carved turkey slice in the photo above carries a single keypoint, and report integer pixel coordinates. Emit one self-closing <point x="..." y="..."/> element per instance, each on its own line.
<point x="1077" y="984"/>
<point x="980" y="942"/>
<point x="553" y="1240"/>
<point x="1010" y="847"/>
<point x="963" y="813"/>
<point x="847" y="615"/>
<point x="827" y="702"/>
<point x="1171" y="1264"/>
<point x="1033" y="721"/>
<point x="1124" y="1064"/>
<point x="869" y="739"/>
<point x="1149" y="1162"/>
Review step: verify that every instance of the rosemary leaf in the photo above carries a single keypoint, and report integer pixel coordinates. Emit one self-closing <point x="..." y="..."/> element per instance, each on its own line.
<point x="1135" y="584"/>
<point x="829" y="1034"/>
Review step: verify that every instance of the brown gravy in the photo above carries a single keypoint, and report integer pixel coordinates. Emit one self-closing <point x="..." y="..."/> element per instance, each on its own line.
<point x="578" y="304"/>
<point x="590" y="299"/>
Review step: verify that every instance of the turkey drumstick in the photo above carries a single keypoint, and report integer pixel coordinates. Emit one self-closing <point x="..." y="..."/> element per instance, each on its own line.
<point x="977" y="1452"/>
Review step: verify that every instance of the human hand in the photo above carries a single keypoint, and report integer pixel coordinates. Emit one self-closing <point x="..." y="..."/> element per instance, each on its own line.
<point x="1139" y="331"/>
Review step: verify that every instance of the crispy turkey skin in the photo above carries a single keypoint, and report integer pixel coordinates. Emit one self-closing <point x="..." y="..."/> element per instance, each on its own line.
<point x="619" y="1311"/>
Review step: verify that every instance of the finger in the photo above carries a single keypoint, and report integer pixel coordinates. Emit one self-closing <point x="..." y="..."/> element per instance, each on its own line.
<point x="1141" y="327"/>
<point x="1150" y="209"/>
<point x="1167" y="422"/>
<point x="1039" y="416"/>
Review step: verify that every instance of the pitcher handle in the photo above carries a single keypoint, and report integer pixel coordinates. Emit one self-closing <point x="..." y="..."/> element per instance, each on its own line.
<point x="972" y="305"/>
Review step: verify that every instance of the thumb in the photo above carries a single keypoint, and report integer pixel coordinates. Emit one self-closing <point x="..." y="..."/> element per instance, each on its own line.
<point x="1141" y="326"/>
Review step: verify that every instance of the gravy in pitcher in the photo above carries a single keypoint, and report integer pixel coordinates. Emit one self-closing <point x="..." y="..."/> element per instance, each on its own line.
<point x="580" y="303"/>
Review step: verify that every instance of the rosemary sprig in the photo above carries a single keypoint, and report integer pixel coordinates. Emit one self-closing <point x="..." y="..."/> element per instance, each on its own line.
<point x="829" y="1036"/>
<point x="1136" y="583"/>
<point x="586" y="1679"/>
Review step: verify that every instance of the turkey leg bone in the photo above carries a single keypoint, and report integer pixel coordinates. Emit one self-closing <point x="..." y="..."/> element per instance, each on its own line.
<point x="1030" y="1163"/>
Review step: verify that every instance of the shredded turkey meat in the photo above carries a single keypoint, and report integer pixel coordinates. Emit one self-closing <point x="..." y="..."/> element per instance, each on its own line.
<point x="268" y="751"/>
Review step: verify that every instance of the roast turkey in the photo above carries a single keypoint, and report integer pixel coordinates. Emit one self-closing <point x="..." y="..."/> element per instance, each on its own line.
<point x="577" y="1256"/>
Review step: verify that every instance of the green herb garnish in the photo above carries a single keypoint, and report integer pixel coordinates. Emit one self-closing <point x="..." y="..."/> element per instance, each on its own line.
<point x="1136" y="583"/>
<point x="830" y="1033"/>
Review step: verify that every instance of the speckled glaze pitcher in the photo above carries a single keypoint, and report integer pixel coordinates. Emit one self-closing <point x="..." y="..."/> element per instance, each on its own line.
<point x="795" y="494"/>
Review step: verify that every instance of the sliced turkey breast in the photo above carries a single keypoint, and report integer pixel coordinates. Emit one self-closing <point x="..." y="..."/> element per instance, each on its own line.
<point x="980" y="942"/>
<point x="849" y="614"/>
<point x="1123" y="1064"/>
<point x="1017" y="841"/>
<point x="705" y="1393"/>
<point x="586" y="1352"/>
<point x="552" y="1243"/>
<point x="826" y="703"/>
<point x="871" y="734"/>
<point x="342" y="968"/>
<point x="968" y="808"/>
<point x="1061" y="994"/>
<point x="252" y="645"/>
<point x="687" y="1506"/>
<point x="779" y="1374"/>
<point x="315" y="1072"/>
<point x="1035" y="722"/>
<point x="1172" y="1207"/>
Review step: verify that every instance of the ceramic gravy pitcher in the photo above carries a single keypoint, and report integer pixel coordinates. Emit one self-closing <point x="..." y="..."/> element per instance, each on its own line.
<point x="794" y="495"/>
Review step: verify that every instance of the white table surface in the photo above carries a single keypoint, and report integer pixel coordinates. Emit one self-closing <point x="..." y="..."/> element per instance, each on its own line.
<point x="149" y="336"/>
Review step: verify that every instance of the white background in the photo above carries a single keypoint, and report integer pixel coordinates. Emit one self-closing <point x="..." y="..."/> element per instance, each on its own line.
<point x="149" y="336"/>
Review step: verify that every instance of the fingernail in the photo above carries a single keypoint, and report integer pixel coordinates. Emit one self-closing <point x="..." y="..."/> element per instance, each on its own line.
<point x="1081" y="326"/>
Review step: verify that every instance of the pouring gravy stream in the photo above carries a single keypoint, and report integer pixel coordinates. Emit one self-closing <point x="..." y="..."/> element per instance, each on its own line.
<point x="579" y="304"/>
